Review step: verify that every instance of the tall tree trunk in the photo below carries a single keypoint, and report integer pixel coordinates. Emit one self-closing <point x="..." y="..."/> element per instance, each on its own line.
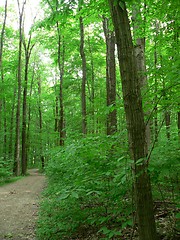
<point x="29" y="115"/>
<point x="135" y="121"/>
<point x="84" y="77"/>
<point x="92" y="88"/>
<point x="61" y="53"/>
<point x="155" y="99"/>
<point x="40" y="123"/>
<point x="110" y="78"/>
<point x="3" y="100"/>
<point x="28" y="50"/>
<point x="139" y="50"/>
<point x="156" y="84"/>
<point x="12" y="126"/>
<point x="16" y="168"/>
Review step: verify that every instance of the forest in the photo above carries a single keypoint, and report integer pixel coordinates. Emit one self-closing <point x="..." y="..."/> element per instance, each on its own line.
<point x="90" y="95"/>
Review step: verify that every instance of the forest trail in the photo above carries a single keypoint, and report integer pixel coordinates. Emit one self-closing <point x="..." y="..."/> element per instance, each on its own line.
<point x="19" y="205"/>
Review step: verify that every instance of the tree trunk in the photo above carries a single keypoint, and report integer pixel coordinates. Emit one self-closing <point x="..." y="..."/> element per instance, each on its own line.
<point x="139" y="50"/>
<point x="92" y="88"/>
<point x="110" y="78"/>
<point x="28" y="51"/>
<point x="135" y="121"/>
<point x="40" y="123"/>
<point x="16" y="168"/>
<point x="61" y="52"/>
<point x="11" y="126"/>
<point x="3" y="100"/>
<point x="155" y="99"/>
<point x="84" y="77"/>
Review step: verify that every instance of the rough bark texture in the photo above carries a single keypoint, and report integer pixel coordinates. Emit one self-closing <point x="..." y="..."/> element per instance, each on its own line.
<point x="135" y="121"/>
<point x="110" y="77"/>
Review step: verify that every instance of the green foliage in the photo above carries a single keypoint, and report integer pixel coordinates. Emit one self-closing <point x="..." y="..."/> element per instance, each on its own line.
<point x="89" y="184"/>
<point x="5" y="170"/>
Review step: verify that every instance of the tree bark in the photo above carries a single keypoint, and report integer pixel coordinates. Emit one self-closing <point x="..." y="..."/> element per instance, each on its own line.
<point x="110" y="78"/>
<point x="135" y="121"/>
<point x="139" y="50"/>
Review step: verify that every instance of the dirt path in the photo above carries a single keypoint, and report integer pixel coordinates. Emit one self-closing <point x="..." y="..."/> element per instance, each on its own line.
<point x="18" y="207"/>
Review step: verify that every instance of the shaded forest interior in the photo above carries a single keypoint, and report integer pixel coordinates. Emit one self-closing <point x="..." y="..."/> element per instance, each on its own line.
<point x="89" y="94"/>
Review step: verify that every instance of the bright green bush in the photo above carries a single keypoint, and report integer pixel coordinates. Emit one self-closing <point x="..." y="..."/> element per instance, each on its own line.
<point x="89" y="184"/>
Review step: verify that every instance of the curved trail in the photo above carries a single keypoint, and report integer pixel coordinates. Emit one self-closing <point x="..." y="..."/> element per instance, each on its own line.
<point x="18" y="207"/>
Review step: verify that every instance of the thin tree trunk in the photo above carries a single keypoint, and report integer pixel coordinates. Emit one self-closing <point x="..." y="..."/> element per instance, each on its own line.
<point x="168" y="124"/>
<point x="29" y="115"/>
<point x="40" y="123"/>
<point x="28" y="50"/>
<point x="84" y="78"/>
<point x="56" y="127"/>
<point x="92" y="89"/>
<point x="135" y="121"/>
<point x="155" y="99"/>
<point x="3" y="100"/>
<point x="110" y="78"/>
<point x="11" y="126"/>
<point x="61" y="52"/>
<point x="16" y="168"/>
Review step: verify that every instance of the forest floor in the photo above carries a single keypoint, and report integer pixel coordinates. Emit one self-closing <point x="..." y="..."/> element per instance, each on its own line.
<point x="19" y="206"/>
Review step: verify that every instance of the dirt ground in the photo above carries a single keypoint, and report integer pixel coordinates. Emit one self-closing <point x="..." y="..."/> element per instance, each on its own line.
<point x="19" y="206"/>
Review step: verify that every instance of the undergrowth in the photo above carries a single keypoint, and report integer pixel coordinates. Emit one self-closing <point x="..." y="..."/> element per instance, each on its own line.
<point x="90" y="190"/>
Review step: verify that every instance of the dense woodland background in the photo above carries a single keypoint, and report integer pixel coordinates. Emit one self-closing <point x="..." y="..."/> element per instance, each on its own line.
<point x="62" y="109"/>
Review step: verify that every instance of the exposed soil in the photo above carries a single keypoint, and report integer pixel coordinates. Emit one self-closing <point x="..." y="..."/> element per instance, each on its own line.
<point x="19" y="206"/>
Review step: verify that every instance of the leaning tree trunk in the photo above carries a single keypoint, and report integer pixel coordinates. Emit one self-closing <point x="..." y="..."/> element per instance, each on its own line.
<point x="135" y="121"/>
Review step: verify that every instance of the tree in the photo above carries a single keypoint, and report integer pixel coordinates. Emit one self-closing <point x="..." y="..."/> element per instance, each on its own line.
<point x="110" y="78"/>
<point x="84" y="75"/>
<point x="3" y="101"/>
<point x="16" y="169"/>
<point x="135" y="121"/>
<point x="28" y="49"/>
